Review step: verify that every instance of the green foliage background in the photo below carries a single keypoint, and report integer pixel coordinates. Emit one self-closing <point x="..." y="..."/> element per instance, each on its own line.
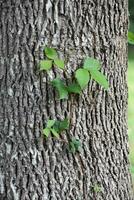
<point x="131" y="12"/>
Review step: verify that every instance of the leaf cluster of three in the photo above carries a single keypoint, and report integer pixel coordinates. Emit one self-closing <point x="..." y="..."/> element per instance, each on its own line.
<point x="55" y="127"/>
<point x="90" y="69"/>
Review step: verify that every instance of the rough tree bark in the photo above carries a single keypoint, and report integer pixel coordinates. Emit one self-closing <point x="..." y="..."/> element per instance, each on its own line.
<point x="31" y="167"/>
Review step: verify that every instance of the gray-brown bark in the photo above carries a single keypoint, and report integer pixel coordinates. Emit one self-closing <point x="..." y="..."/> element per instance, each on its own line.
<point x="31" y="167"/>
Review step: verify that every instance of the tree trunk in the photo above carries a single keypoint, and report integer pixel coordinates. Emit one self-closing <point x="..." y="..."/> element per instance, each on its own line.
<point x="31" y="166"/>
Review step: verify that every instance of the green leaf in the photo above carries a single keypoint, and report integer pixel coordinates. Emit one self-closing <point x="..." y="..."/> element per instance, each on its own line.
<point x="56" y="126"/>
<point x="54" y="133"/>
<point x="46" y="132"/>
<point x="59" y="63"/>
<point x="91" y="63"/>
<point x="50" y="123"/>
<point x="82" y="76"/>
<point x="130" y="38"/>
<point x="45" y="64"/>
<point x="61" y="88"/>
<point x="64" y="125"/>
<point x="60" y="126"/>
<point x="77" y="143"/>
<point x="99" y="78"/>
<point x="74" y="145"/>
<point x="51" y="53"/>
<point x="74" y="88"/>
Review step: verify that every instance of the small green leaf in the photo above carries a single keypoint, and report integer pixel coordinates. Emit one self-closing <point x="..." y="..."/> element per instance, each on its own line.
<point x="99" y="78"/>
<point x="60" y="126"/>
<point x="54" y="133"/>
<point x="46" y="132"/>
<point x="50" y="123"/>
<point x="45" y="64"/>
<point x="77" y="143"/>
<point x="82" y="76"/>
<point x="74" y="145"/>
<point x="130" y="38"/>
<point x="74" y="88"/>
<point x="91" y="63"/>
<point x="59" y="63"/>
<point x="61" y="88"/>
<point x="57" y="126"/>
<point x="51" y="53"/>
<point x="64" y="125"/>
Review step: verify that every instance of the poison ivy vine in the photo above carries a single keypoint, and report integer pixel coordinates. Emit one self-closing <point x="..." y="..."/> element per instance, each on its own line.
<point x="82" y="76"/>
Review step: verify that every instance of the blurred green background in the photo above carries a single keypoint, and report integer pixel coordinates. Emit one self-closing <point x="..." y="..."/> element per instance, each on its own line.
<point x="131" y="89"/>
